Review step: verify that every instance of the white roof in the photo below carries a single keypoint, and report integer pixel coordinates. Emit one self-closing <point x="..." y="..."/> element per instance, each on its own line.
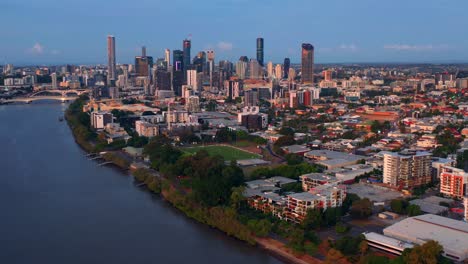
<point x="387" y="241"/>
<point x="451" y="234"/>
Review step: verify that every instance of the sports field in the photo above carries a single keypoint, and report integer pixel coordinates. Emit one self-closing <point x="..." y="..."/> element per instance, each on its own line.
<point x="228" y="153"/>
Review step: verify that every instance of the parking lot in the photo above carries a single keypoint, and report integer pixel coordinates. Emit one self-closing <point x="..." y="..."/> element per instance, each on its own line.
<point x="374" y="193"/>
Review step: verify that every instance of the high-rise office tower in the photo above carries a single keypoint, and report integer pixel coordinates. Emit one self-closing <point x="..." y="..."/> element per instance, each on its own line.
<point x="270" y="69"/>
<point x="111" y="57"/>
<point x="278" y="72"/>
<point x="53" y="76"/>
<point x="254" y="68"/>
<point x="307" y="70"/>
<point x="286" y="65"/>
<point x="291" y="74"/>
<point x="178" y="60"/>
<point x="178" y="71"/>
<point x="199" y="62"/>
<point x="167" y="57"/>
<point x="260" y="51"/>
<point x="186" y="48"/>
<point x="241" y="69"/>
<point x="211" y="57"/>
<point x="143" y="64"/>
<point x="244" y="59"/>
<point x="193" y="80"/>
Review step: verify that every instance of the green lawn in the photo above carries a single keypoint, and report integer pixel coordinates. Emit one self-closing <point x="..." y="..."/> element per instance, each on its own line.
<point x="228" y="153"/>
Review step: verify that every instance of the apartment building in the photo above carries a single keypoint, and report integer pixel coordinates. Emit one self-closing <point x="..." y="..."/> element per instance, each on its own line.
<point x="100" y="119"/>
<point x="453" y="182"/>
<point x="146" y="129"/>
<point x="323" y="197"/>
<point x="407" y="169"/>
<point x="313" y="180"/>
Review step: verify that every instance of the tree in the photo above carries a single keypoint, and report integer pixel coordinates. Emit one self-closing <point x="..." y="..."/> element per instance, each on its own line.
<point x="413" y="210"/>
<point x="349" y="200"/>
<point x="398" y="206"/>
<point x="286" y="131"/>
<point x="313" y="219"/>
<point x="285" y="141"/>
<point x="296" y="240"/>
<point x="260" y="227"/>
<point x="427" y="253"/>
<point x="349" y="245"/>
<point x="361" y="208"/>
<point x="363" y="247"/>
<point x="237" y="197"/>
<point x="293" y="159"/>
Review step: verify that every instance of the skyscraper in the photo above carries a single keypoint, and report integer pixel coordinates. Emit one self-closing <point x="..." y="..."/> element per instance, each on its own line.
<point x="111" y="57"/>
<point x="270" y="69"/>
<point x="278" y="72"/>
<point x="307" y="70"/>
<point x="193" y="80"/>
<point x="54" y="80"/>
<point x="167" y="57"/>
<point x="178" y="71"/>
<point x="143" y="63"/>
<point x="199" y="62"/>
<point x="241" y="69"/>
<point x="187" y="45"/>
<point x="254" y="68"/>
<point x="211" y="57"/>
<point x="287" y="63"/>
<point x="260" y="51"/>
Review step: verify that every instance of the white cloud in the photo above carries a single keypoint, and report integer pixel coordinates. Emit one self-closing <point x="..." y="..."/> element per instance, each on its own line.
<point x="37" y="49"/>
<point x="55" y="52"/>
<point x="407" y="47"/>
<point x="224" y="46"/>
<point x="340" y="48"/>
<point x="350" y="47"/>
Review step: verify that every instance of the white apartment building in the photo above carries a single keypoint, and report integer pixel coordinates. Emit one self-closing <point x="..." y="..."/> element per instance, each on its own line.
<point x="145" y="129"/>
<point x="100" y="119"/>
<point x="407" y="169"/>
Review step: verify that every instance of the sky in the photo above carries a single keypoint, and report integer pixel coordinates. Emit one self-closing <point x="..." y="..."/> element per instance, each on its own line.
<point x="342" y="31"/>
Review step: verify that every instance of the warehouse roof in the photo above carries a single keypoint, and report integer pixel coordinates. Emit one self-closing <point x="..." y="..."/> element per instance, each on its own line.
<point x="451" y="234"/>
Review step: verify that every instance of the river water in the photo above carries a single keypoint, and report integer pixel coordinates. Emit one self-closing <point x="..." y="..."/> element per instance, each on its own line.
<point x="56" y="206"/>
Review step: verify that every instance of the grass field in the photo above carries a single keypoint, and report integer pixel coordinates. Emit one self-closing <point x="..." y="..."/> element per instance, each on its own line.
<point x="228" y="153"/>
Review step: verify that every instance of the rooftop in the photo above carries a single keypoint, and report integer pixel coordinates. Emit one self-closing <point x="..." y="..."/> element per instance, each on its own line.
<point x="451" y="234"/>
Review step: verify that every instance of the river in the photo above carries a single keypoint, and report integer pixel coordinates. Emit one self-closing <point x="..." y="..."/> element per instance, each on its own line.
<point x="58" y="207"/>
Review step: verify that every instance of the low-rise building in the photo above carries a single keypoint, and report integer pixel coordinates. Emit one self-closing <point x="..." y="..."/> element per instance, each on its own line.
<point x="451" y="234"/>
<point x="296" y="149"/>
<point x="333" y="159"/>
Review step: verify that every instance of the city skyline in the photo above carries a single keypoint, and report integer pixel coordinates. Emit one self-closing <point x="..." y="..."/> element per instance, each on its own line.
<point x="406" y="35"/>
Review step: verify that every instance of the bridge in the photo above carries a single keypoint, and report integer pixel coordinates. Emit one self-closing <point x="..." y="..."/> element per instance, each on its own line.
<point x="62" y="93"/>
<point x="28" y="100"/>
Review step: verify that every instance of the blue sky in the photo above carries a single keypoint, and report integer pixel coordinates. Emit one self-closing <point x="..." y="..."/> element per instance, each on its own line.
<point x="66" y="31"/>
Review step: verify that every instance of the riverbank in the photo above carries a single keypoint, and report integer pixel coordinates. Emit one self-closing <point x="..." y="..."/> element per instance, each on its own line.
<point x="218" y="217"/>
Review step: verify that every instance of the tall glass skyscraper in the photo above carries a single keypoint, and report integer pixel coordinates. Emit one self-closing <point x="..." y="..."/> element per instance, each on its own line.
<point x="178" y="71"/>
<point x="307" y="71"/>
<point x="187" y="44"/>
<point x="260" y="51"/>
<point x="111" y="57"/>
<point x="287" y="64"/>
